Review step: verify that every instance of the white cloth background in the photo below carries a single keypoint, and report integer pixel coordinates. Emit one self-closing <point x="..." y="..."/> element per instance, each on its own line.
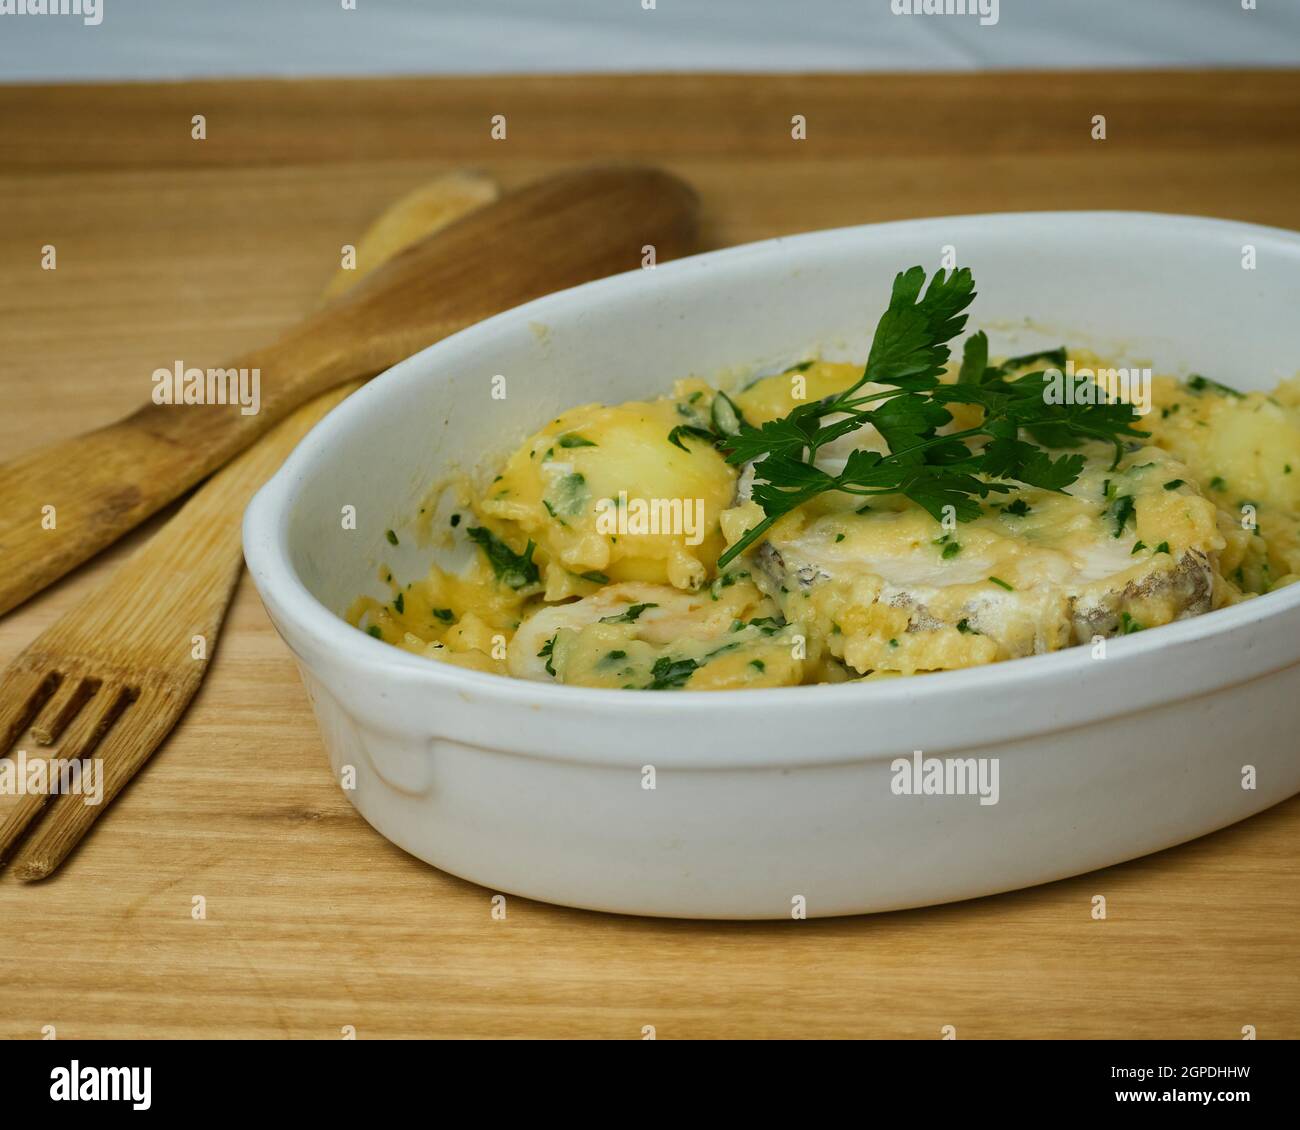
<point x="154" y="39"/>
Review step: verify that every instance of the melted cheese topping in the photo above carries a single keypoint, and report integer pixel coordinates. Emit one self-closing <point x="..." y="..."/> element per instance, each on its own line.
<point x="565" y="487"/>
<point x="622" y="530"/>
<point x="1244" y="452"/>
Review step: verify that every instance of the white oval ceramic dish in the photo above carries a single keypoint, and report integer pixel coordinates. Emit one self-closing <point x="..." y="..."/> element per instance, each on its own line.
<point x="763" y="798"/>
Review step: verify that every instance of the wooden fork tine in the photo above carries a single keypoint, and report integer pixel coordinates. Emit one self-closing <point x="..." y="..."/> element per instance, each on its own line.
<point x="96" y="720"/>
<point x="62" y="707"/>
<point x="140" y="730"/>
<point x="83" y="734"/>
<point x="18" y="819"/>
<point x="23" y="692"/>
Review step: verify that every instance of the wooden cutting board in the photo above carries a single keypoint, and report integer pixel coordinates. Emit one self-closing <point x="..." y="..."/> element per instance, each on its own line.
<point x="173" y="248"/>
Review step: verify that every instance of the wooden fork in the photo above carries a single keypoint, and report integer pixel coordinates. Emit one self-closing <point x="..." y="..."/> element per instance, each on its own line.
<point x="110" y="679"/>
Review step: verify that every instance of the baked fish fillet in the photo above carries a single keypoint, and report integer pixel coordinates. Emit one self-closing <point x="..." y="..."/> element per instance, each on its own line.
<point x="890" y="589"/>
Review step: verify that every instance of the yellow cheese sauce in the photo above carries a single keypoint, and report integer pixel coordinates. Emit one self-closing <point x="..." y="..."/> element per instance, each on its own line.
<point x="596" y="547"/>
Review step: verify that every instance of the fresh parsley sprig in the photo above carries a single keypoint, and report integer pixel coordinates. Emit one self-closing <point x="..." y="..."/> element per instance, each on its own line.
<point x="909" y="354"/>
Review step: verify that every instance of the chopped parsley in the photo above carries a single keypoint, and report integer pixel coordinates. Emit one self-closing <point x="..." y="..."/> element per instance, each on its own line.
<point x="1002" y="584"/>
<point x="399" y="603"/>
<point x="1019" y="508"/>
<point x="670" y="674"/>
<point x="1198" y="383"/>
<point x="725" y="581"/>
<point x="515" y="570"/>
<point x="392" y="537"/>
<point x="951" y="550"/>
<point x="1163" y="547"/>
<point x="570" y="495"/>
<point x="1173" y="484"/>
<point x="628" y="615"/>
<point x="1121" y="510"/>
<point x="375" y="631"/>
<point x="572" y="439"/>
<point x="1128" y="625"/>
<point x="446" y="615"/>
<point x="675" y="436"/>
<point x="548" y="653"/>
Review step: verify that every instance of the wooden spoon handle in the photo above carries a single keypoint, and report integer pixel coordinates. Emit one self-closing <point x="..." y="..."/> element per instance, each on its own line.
<point x="63" y="503"/>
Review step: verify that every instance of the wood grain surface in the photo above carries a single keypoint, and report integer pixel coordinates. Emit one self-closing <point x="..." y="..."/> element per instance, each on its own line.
<point x="169" y="247"/>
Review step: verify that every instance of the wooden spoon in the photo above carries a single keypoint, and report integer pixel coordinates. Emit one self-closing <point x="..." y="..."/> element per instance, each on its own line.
<point x="63" y="503"/>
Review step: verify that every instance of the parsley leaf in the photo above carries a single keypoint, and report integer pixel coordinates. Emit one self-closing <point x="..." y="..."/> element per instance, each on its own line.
<point x="910" y="348"/>
<point x="517" y="570"/>
<point x="1198" y="383"/>
<point x="1008" y="458"/>
<point x="906" y="421"/>
<point x="569" y="493"/>
<point x="628" y="615"/>
<point x="974" y="359"/>
<point x="675" y="436"/>
<point x="1121" y="510"/>
<point x="548" y="653"/>
<point x="670" y="674"/>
